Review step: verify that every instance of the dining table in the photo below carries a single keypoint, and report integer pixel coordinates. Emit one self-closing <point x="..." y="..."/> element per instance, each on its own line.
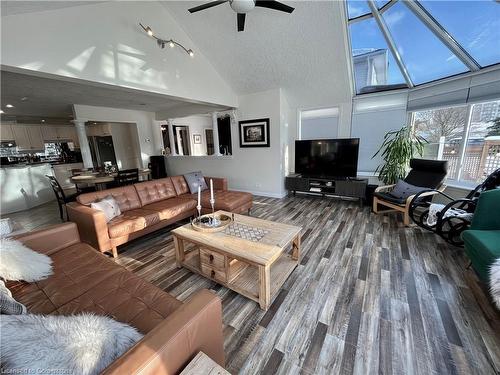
<point x="99" y="179"/>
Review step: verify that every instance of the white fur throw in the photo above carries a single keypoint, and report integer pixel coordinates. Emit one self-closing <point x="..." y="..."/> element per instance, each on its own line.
<point x="495" y="282"/>
<point x="18" y="262"/>
<point x="80" y="344"/>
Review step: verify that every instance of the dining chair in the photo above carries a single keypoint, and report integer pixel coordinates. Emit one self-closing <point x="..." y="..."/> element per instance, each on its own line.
<point x="127" y="177"/>
<point x="61" y="197"/>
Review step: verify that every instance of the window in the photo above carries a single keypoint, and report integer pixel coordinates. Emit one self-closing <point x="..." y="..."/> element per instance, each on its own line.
<point x="476" y="26"/>
<point x="424" y="55"/>
<point x="319" y="123"/>
<point x="420" y="32"/>
<point x="373" y="63"/>
<point x="467" y="136"/>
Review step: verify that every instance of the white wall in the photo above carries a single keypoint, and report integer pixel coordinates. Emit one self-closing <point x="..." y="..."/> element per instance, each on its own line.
<point x="197" y="125"/>
<point x="104" y="43"/>
<point x="319" y="128"/>
<point x="257" y="170"/>
<point x="149" y="140"/>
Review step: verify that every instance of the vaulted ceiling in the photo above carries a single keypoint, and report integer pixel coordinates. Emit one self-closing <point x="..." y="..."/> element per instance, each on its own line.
<point x="303" y="52"/>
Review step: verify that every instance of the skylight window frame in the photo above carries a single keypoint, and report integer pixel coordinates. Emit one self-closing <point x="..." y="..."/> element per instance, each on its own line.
<point x="390" y="41"/>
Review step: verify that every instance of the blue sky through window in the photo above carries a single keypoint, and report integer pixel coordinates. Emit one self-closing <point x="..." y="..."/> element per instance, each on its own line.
<point x="366" y="36"/>
<point x="473" y="24"/>
<point x="357" y="8"/>
<point x="424" y="55"/>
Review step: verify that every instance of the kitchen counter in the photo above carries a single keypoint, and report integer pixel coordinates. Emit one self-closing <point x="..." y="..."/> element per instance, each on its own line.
<point x="24" y="187"/>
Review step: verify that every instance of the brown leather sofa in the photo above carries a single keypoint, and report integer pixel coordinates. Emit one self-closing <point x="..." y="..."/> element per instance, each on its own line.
<point x="87" y="281"/>
<point x="147" y="207"/>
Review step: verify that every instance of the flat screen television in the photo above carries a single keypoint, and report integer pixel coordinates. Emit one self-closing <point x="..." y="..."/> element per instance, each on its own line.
<point x="327" y="158"/>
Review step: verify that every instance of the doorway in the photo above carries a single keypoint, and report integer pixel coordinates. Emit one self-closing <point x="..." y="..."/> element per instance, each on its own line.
<point x="224" y="128"/>
<point x="182" y="140"/>
<point x="209" y="136"/>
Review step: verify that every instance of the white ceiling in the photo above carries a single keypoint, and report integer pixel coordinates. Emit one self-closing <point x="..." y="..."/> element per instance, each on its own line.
<point x="48" y="97"/>
<point x="304" y="52"/>
<point x="19" y="7"/>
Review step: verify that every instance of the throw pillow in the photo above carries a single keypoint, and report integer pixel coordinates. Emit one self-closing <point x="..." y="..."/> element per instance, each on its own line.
<point x="109" y="206"/>
<point x="79" y="344"/>
<point x="403" y="190"/>
<point x="195" y="179"/>
<point x="19" y="262"/>
<point x="8" y="305"/>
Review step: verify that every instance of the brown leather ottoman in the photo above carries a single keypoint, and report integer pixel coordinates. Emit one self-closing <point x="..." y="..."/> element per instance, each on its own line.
<point x="227" y="200"/>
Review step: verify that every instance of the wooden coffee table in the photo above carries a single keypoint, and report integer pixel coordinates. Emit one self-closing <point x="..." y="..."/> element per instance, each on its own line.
<point x="250" y="257"/>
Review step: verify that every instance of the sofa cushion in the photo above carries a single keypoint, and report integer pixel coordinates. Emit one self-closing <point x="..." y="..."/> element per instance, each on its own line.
<point x="481" y="246"/>
<point x="77" y="269"/>
<point x="132" y="221"/>
<point x="180" y="185"/>
<point x="226" y="200"/>
<point x="125" y="196"/>
<point x="126" y="298"/>
<point x="156" y="190"/>
<point x="170" y="208"/>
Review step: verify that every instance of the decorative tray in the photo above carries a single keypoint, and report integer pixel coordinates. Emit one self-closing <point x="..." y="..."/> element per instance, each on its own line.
<point x="206" y="223"/>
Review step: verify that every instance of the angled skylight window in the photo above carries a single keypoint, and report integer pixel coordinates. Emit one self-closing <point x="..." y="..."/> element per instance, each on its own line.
<point x="373" y="63"/>
<point x="357" y="8"/>
<point x="419" y="41"/>
<point x="473" y="24"/>
<point x="424" y="55"/>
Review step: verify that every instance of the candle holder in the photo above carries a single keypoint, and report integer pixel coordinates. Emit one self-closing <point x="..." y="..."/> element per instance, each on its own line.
<point x="213" y="219"/>
<point x="198" y="207"/>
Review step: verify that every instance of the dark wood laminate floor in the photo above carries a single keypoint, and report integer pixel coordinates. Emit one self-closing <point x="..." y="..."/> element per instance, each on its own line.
<point x="369" y="296"/>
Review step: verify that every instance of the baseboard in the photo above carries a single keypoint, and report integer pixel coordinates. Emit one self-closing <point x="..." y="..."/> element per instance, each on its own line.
<point x="263" y="193"/>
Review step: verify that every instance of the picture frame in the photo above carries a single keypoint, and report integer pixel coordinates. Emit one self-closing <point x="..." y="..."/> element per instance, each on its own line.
<point x="197" y="139"/>
<point x="254" y="133"/>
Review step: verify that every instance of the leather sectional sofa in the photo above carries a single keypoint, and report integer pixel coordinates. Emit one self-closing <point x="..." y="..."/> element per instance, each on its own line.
<point x="147" y="207"/>
<point x="87" y="281"/>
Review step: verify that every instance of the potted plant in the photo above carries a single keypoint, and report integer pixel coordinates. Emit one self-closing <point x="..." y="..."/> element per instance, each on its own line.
<point x="398" y="147"/>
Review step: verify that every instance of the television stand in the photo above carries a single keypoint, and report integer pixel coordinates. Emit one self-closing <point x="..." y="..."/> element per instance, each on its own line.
<point x="351" y="187"/>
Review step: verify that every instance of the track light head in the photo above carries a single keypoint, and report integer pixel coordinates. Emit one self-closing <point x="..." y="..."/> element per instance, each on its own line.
<point x="171" y="43"/>
<point x="191" y="53"/>
<point x="149" y="31"/>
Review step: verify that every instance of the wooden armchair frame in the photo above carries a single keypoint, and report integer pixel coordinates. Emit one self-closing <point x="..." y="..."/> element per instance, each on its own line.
<point x="404" y="208"/>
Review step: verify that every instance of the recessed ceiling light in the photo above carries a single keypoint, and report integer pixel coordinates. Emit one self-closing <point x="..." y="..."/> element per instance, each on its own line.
<point x="24" y="98"/>
<point x="1" y="111"/>
<point x="43" y="120"/>
<point x="9" y="106"/>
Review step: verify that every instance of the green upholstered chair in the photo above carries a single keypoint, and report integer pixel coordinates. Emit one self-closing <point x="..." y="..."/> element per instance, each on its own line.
<point x="482" y="240"/>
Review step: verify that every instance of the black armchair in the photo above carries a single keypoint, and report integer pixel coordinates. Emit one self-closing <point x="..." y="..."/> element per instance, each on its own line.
<point x="428" y="174"/>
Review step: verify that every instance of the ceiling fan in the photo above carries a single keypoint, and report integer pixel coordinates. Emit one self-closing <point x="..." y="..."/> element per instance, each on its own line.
<point x="242" y="7"/>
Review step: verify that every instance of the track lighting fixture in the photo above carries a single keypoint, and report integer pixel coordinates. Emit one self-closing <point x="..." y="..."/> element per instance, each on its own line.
<point x="162" y="42"/>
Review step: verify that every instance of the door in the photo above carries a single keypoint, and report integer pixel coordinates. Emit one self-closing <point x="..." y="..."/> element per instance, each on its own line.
<point x="102" y="150"/>
<point x="209" y="136"/>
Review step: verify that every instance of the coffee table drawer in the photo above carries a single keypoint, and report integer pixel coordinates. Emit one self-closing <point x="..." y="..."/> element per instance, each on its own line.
<point x="212" y="259"/>
<point x="213" y="273"/>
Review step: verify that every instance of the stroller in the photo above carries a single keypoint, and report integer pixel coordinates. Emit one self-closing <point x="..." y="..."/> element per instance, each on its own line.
<point x="450" y="220"/>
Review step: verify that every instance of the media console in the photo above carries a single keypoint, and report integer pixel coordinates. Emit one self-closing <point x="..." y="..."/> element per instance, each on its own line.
<point x="352" y="188"/>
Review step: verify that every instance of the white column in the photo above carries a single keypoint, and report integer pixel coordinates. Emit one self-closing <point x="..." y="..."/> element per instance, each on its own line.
<point x="215" y="131"/>
<point x="170" y="124"/>
<point x="84" y="143"/>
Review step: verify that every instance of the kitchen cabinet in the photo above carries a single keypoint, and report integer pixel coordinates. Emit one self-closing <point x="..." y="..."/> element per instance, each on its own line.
<point x="6" y="133"/>
<point x="49" y="132"/>
<point x="28" y="137"/>
<point x="59" y="133"/>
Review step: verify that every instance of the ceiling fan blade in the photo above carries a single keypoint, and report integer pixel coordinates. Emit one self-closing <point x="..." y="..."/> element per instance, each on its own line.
<point x="276" y="5"/>
<point x="241" y="21"/>
<point x="207" y="5"/>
